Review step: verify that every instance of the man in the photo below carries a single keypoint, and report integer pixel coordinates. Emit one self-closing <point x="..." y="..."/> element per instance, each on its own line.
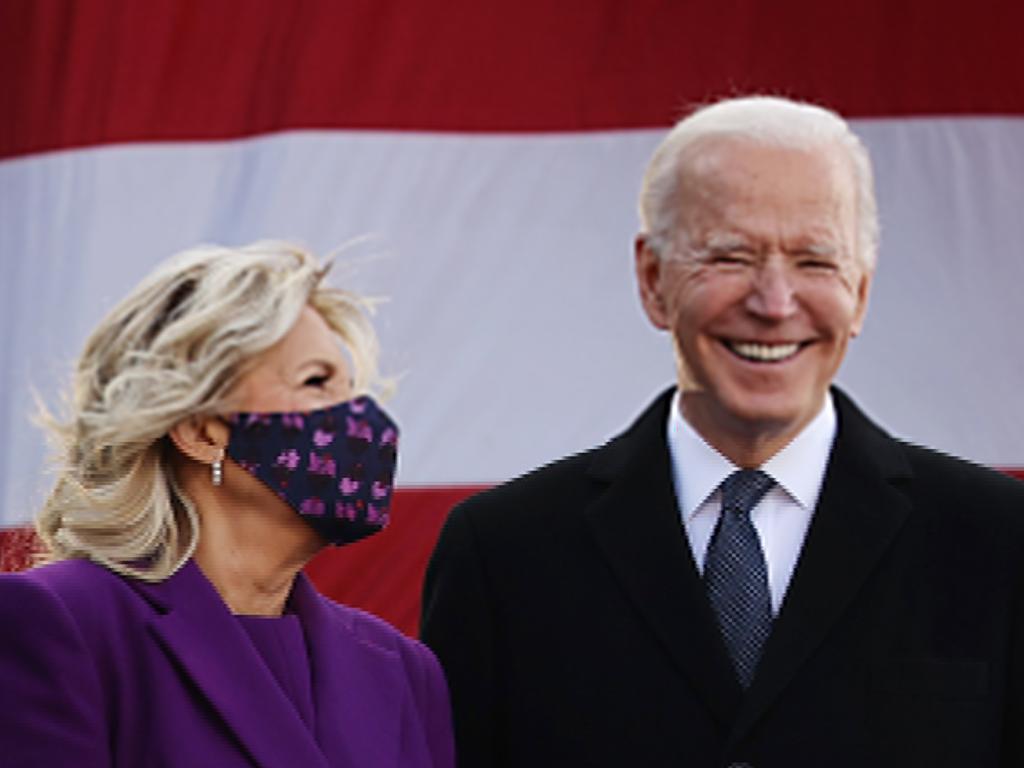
<point x="753" y="574"/>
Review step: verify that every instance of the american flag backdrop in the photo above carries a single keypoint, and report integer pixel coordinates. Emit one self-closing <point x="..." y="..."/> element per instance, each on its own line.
<point x="485" y="157"/>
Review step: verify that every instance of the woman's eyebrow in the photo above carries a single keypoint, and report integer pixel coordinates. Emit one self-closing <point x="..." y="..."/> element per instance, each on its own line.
<point x="316" y="362"/>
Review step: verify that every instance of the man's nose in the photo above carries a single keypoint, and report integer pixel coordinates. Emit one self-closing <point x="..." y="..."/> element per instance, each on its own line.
<point x="772" y="291"/>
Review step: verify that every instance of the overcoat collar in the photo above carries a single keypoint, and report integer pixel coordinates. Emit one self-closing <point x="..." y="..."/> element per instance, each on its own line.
<point x="350" y="677"/>
<point x="861" y="509"/>
<point x="636" y="523"/>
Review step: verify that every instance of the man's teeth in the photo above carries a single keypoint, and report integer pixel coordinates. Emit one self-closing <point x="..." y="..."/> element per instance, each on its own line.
<point x="763" y="352"/>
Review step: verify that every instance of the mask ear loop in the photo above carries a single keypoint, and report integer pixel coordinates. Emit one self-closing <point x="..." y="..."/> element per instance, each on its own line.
<point x="217" y="469"/>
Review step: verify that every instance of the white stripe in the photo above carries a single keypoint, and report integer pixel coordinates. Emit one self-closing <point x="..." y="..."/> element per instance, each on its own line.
<point x="508" y="264"/>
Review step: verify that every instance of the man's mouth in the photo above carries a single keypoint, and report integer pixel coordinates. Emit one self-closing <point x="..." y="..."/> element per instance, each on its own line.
<point x="763" y="353"/>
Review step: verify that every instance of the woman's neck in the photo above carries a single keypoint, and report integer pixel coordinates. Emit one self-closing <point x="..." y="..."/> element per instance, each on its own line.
<point x="248" y="581"/>
<point x="251" y="544"/>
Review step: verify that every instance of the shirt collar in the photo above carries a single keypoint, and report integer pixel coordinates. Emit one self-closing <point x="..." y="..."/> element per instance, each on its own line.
<point x="799" y="468"/>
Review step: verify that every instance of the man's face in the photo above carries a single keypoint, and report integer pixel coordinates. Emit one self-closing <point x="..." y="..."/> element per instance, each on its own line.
<point x="761" y="287"/>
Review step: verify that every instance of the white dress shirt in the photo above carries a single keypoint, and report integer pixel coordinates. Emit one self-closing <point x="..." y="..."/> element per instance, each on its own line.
<point x="781" y="517"/>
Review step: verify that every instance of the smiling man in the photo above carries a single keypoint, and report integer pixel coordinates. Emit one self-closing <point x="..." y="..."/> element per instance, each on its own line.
<point x="756" y="267"/>
<point x="753" y="574"/>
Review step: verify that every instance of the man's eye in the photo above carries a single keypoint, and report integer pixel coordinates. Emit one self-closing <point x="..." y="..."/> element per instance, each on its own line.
<point x="735" y="256"/>
<point x="818" y="265"/>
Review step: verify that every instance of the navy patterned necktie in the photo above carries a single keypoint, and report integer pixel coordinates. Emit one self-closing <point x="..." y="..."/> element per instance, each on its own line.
<point x="736" y="575"/>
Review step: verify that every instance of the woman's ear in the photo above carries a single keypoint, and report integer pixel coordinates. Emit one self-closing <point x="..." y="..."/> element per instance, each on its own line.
<point x="202" y="438"/>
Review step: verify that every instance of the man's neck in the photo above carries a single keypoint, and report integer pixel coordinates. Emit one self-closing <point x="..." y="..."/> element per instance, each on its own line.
<point x="746" y="444"/>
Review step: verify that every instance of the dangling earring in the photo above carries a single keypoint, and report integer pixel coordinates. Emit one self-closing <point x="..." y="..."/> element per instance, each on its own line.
<point x="217" y="469"/>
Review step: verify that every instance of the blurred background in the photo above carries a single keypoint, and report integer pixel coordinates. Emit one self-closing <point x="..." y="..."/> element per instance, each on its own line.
<point x="476" y="164"/>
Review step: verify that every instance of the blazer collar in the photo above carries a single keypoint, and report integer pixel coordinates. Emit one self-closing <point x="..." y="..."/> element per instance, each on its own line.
<point x="196" y="629"/>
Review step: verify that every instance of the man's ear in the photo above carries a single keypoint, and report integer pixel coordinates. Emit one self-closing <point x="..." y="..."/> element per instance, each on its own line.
<point x="863" y="292"/>
<point x="648" y="279"/>
<point x="201" y="438"/>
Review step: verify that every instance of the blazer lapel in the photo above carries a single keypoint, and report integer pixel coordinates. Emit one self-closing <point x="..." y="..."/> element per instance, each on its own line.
<point x="359" y="687"/>
<point x="199" y="633"/>
<point x="636" y="524"/>
<point x="858" y="515"/>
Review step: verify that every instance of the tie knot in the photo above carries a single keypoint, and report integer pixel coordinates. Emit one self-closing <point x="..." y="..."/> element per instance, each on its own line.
<point x="744" y="488"/>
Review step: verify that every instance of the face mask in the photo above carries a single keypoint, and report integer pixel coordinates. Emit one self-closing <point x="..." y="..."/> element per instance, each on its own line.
<point x="335" y="467"/>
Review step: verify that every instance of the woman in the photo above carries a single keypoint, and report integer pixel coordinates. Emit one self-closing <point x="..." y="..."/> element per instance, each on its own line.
<point x="219" y="437"/>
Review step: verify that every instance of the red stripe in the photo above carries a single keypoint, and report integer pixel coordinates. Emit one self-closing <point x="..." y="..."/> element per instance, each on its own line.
<point x="16" y="548"/>
<point x="103" y="71"/>
<point x="383" y="574"/>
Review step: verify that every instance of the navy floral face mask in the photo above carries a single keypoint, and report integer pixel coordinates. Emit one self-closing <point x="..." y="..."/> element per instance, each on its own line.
<point x="335" y="466"/>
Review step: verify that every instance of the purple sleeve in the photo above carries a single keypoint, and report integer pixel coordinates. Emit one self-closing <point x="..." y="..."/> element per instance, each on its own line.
<point x="50" y="698"/>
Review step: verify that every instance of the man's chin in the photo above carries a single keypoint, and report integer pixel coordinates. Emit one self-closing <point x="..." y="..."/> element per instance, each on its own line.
<point x="749" y="413"/>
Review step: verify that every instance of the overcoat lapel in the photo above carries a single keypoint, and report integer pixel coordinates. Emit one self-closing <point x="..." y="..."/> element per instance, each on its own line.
<point x="358" y="685"/>
<point x="859" y="513"/>
<point x="635" y="521"/>
<point x="196" y="629"/>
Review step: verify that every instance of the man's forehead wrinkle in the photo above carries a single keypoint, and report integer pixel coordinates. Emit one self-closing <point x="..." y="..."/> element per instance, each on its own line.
<point x="708" y="198"/>
<point x="727" y="197"/>
<point x="704" y="170"/>
<point x="821" y="242"/>
<point x="740" y="218"/>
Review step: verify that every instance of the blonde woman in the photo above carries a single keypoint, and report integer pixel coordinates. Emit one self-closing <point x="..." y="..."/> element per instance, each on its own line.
<point x="221" y="433"/>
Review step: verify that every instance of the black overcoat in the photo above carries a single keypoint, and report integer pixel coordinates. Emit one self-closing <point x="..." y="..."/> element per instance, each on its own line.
<point x="574" y="628"/>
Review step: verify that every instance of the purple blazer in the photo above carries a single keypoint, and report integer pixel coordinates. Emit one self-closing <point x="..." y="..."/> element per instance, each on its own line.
<point x="100" y="670"/>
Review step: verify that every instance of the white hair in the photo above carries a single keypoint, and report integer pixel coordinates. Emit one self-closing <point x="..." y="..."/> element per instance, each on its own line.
<point x="174" y="348"/>
<point x="763" y="119"/>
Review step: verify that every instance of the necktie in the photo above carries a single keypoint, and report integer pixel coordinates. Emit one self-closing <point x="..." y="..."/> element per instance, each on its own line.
<point x="736" y="575"/>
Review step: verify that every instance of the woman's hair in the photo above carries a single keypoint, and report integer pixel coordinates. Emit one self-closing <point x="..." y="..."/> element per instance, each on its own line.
<point x="174" y="348"/>
<point x="768" y="120"/>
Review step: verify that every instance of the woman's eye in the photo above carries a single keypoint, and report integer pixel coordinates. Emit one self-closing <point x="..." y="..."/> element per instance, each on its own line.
<point x="317" y="381"/>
